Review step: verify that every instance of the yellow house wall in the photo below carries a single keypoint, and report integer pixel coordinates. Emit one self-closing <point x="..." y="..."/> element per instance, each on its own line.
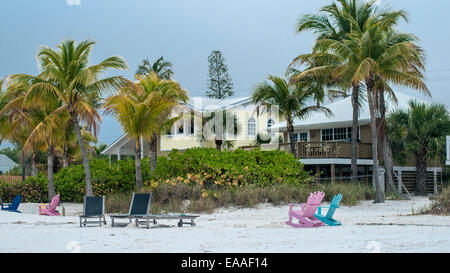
<point x="243" y="113"/>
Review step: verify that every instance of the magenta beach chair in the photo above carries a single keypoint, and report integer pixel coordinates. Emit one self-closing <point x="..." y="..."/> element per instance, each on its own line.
<point x="305" y="215"/>
<point x="50" y="209"/>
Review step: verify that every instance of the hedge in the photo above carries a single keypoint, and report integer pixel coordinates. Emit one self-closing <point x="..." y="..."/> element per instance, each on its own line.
<point x="207" y="167"/>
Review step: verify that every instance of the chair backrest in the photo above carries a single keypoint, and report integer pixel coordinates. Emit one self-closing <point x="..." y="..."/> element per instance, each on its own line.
<point x="140" y="204"/>
<point x="15" y="203"/>
<point x="94" y="205"/>
<point x="54" y="203"/>
<point x="314" y="200"/>
<point x="333" y="205"/>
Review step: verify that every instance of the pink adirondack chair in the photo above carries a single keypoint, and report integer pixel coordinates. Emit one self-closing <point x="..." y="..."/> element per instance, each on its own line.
<point x="305" y="215"/>
<point x="51" y="208"/>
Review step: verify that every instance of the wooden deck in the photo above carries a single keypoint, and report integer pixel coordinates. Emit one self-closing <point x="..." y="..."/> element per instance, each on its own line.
<point x="324" y="149"/>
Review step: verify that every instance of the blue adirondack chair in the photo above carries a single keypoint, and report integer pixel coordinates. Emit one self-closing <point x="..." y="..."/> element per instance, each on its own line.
<point x="328" y="218"/>
<point x="14" y="205"/>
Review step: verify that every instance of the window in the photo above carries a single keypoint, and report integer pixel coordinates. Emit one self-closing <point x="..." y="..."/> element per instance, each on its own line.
<point x="300" y="137"/>
<point x="251" y="127"/>
<point x="180" y="130"/>
<point x="337" y="134"/>
<point x="271" y="123"/>
<point x="340" y="133"/>
<point x="303" y="137"/>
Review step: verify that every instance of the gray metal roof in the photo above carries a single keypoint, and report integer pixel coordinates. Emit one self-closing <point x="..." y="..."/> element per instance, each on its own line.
<point x="6" y="163"/>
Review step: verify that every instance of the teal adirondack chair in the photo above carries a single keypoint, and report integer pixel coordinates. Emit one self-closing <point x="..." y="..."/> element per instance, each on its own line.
<point x="328" y="218"/>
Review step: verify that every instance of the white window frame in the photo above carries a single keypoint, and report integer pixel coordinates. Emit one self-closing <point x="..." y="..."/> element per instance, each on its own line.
<point x="302" y="132"/>
<point x="346" y="132"/>
<point x="248" y="127"/>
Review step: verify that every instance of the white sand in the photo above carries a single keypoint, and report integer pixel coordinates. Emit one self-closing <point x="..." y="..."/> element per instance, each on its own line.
<point x="366" y="227"/>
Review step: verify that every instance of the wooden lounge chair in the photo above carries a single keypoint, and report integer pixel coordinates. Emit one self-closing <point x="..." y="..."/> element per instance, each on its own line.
<point x="93" y="207"/>
<point x="305" y="215"/>
<point x="140" y="206"/>
<point x="328" y="218"/>
<point x="14" y="205"/>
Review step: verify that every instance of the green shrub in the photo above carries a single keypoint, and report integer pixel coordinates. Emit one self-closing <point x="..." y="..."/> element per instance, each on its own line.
<point x="33" y="189"/>
<point x="105" y="178"/>
<point x="209" y="167"/>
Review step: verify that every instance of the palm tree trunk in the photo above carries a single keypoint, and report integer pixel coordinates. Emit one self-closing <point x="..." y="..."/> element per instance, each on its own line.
<point x="388" y="165"/>
<point x="34" y="169"/>
<point x="153" y="152"/>
<point x="421" y="171"/>
<point x="290" y="128"/>
<point x="65" y="156"/>
<point x="87" y="173"/>
<point x="379" y="194"/>
<point x="137" y="159"/>
<point x="51" y="186"/>
<point x="354" y="166"/>
<point x="22" y="159"/>
<point x="386" y="148"/>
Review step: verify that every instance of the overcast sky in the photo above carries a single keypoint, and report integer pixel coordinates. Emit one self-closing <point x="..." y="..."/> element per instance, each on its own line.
<point x="257" y="37"/>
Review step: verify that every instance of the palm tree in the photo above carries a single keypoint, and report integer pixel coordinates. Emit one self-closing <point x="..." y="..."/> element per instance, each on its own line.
<point x="46" y="127"/>
<point x="332" y="23"/>
<point x="375" y="55"/>
<point x="160" y="66"/>
<point x="67" y="76"/>
<point x="386" y="57"/>
<point x="38" y="127"/>
<point x="291" y="99"/>
<point x="13" y="128"/>
<point x="143" y="110"/>
<point x="424" y="128"/>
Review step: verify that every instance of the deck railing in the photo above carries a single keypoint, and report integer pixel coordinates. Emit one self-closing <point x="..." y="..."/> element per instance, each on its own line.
<point x="325" y="149"/>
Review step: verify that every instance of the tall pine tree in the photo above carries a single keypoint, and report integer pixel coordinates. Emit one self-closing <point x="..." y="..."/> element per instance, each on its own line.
<point x="219" y="82"/>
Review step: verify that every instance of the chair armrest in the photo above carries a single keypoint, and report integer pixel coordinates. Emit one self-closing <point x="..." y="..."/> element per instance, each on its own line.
<point x="292" y="205"/>
<point x="6" y="204"/>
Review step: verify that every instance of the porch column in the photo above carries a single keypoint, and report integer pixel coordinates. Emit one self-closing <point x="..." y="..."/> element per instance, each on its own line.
<point x="399" y="183"/>
<point x="333" y="173"/>
<point x="109" y="159"/>
<point x="435" y="181"/>
<point x="118" y="155"/>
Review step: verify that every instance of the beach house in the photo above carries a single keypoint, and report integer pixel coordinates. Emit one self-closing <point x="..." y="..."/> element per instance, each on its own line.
<point x="196" y="128"/>
<point x="322" y="143"/>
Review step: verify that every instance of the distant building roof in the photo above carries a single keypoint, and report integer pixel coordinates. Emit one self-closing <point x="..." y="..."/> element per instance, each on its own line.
<point x="203" y="104"/>
<point x="6" y="163"/>
<point x="343" y="114"/>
